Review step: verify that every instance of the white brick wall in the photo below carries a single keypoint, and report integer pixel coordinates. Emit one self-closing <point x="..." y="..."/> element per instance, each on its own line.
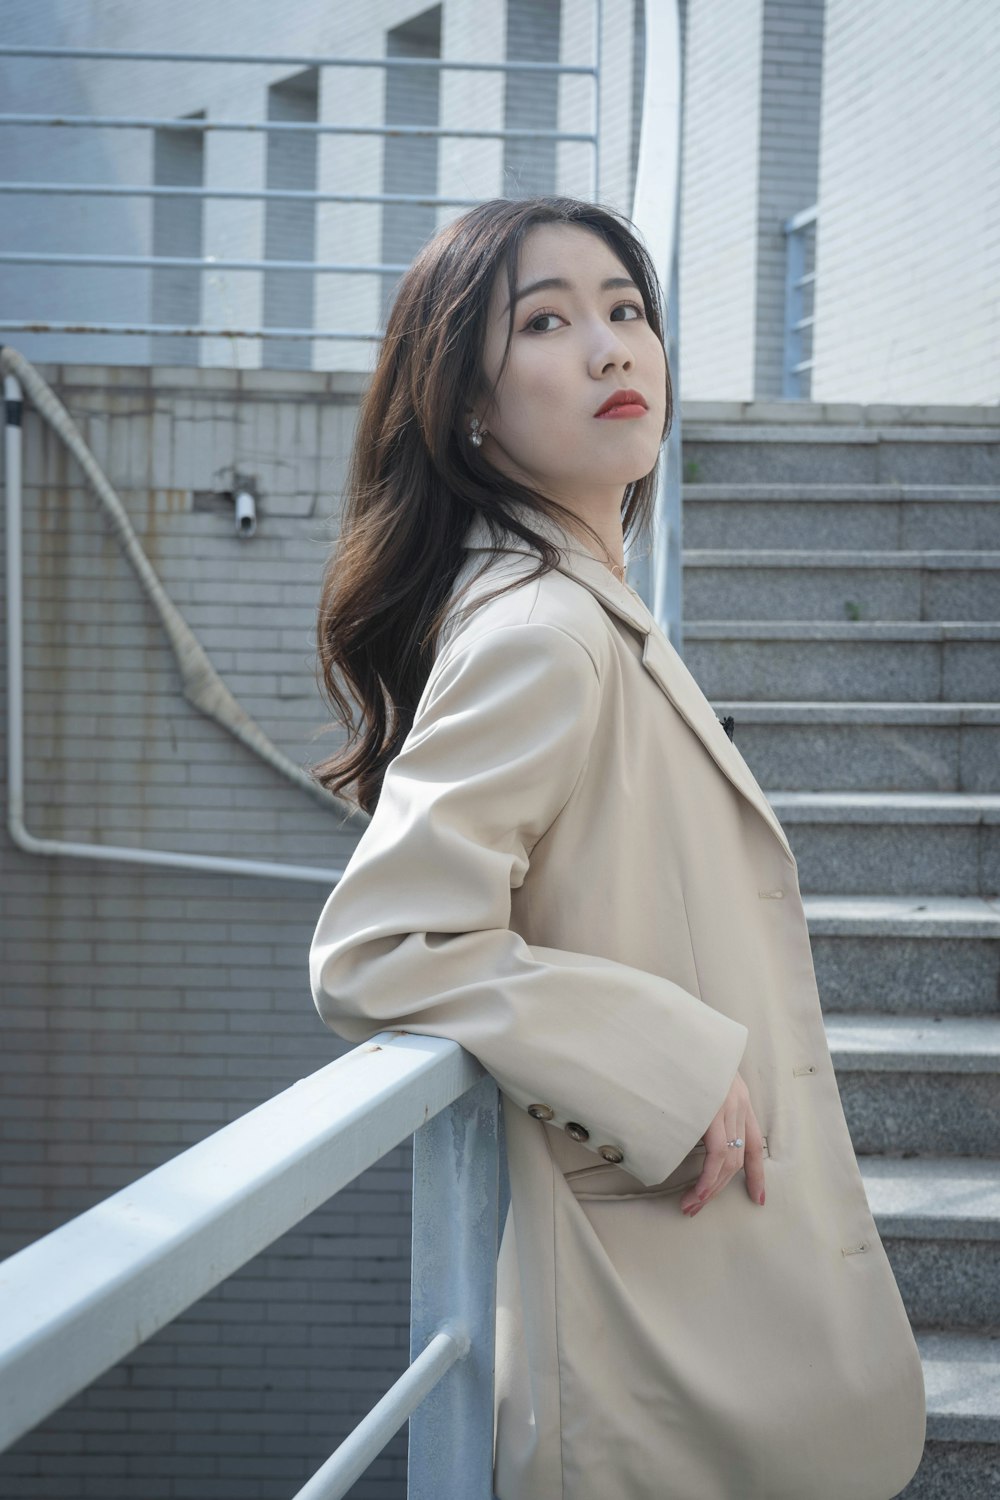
<point x="908" y="248"/>
<point x="718" y="243"/>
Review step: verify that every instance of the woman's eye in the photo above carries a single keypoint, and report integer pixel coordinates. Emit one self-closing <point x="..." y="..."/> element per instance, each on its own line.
<point x="538" y="318"/>
<point x="546" y="321"/>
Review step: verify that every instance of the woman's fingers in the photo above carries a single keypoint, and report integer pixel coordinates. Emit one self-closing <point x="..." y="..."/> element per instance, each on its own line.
<point x="753" y="1163"/>
<point x="721" y="1163"/>
<point x="734" y="1121"/>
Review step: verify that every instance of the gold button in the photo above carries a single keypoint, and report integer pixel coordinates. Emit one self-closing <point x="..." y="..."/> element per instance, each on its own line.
<point x="611" y="1153"/>
<point x="578" y="1132"/>
<point x="540" y="1111"/>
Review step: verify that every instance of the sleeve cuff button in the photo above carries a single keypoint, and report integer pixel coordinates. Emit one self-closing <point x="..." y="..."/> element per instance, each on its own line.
<point x="540" y="1111"/>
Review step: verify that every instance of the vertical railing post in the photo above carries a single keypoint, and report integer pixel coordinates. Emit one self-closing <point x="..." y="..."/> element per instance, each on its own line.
<point x="795" y="369"/>
<point x="456" y="1182"/>
<point x="795" y="262"/>
<point x="656" y="210"/>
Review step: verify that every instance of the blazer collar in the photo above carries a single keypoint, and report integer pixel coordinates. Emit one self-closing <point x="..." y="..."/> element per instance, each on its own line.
<point x="663" y="663"/>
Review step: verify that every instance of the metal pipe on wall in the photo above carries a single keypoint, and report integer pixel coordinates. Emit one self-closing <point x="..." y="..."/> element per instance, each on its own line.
<point x="201" y="682"/>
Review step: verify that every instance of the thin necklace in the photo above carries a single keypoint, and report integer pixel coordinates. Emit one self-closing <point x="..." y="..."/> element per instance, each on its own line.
<point x="613" y="568"/>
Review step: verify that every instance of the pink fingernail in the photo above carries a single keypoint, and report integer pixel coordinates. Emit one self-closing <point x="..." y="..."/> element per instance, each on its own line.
<point x="761" y="1198"/>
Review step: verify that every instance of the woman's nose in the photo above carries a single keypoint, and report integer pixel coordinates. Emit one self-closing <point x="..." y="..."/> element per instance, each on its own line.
<point x="610" y="352"/>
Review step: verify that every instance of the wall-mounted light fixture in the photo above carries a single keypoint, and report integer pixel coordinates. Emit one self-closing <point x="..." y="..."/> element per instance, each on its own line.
<point x="245" y="513"/>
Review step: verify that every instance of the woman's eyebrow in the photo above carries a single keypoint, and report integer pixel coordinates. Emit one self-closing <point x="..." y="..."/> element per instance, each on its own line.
<point x="567" y="286"/>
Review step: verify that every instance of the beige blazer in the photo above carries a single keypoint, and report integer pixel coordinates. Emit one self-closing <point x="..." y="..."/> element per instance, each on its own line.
<point x="573" y="873"/>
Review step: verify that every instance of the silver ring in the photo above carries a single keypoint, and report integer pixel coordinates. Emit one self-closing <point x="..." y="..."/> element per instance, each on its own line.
<point x="738" y="1141"/>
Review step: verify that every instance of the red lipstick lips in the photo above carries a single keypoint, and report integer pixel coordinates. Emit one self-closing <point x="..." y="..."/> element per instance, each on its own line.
<point x="623" y="404"/>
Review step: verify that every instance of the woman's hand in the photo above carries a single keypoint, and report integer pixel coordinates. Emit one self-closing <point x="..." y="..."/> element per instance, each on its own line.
<point x="735" y="1118"/>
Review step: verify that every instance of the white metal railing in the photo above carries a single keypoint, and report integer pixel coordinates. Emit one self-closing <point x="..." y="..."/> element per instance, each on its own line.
<point x="270" y="128"/>
<point x="83" y="1297"/>
<point x="796" y="374"/>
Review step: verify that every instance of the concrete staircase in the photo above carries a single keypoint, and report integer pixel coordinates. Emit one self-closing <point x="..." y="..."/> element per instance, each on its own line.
<point x="842" y="602"/>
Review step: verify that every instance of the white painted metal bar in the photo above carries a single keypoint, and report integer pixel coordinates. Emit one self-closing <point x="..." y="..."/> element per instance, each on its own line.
<point x="456" y="1159"/>
<point x="366" y="1442"/>
<point x="802" y="219"/>
<point x="39" y="325"/>
<point x="171" y="190"/>
<point x="289" y="127"/>
<point x="655" y="210"/>
<point x="456" y="1181"/>
<point x="301" y="60"/>
<point x="193" y="262"/>
<point x="795" y="368"/>
<point x="81" y="1298"/>
<point x="598" y="39"/>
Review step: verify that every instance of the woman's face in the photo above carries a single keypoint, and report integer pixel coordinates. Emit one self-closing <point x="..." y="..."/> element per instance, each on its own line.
<point x="572" y="347"/>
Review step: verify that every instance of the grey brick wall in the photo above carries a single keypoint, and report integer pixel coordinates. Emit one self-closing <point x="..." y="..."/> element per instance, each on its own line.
<point x="145" y="1008"/>
<point x="791" y="76"/>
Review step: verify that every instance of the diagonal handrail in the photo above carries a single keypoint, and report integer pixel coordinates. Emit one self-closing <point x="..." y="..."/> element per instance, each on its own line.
<point x="76" y="1301"/>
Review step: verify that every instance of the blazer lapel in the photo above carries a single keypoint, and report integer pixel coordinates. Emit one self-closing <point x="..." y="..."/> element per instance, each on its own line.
<point x="667" y="668"/>
<point x="663" y="663"/>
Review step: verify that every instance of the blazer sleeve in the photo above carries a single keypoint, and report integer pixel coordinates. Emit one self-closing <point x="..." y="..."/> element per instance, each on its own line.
<point x="416" y="932"/>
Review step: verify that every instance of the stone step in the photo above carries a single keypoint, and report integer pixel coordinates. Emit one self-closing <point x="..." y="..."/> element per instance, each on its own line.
<point x="893" y="843"/>
<point x="928" y="1084"/>
<point x="906" y="955"/>
<point x="852" y="746"/>
<point x="781" y="584"/>
<point x="858" y="649"/>
<point x="780" y="412"/>
<point x="925" y="661"/>
<point x="843" y="452"/>
<point x="910" y="517"/>
<point x="939" y="1219"/>
<point x="961" y="1458"/>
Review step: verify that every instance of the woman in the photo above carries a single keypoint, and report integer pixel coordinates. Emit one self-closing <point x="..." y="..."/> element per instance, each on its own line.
<point x="571" y="871"/>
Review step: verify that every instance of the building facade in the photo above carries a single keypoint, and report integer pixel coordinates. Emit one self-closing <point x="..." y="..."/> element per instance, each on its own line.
<point x="881" y="117"/>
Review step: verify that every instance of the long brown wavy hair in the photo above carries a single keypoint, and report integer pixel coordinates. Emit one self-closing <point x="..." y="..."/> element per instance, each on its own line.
<point x="414" y="481"/>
